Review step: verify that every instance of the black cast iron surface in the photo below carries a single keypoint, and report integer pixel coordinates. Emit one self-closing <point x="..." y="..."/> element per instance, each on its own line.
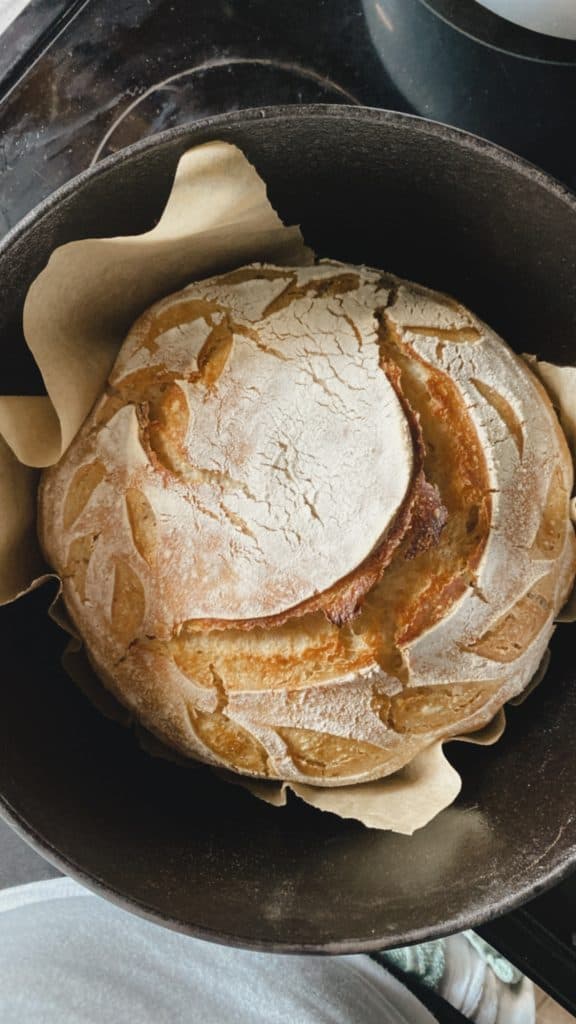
<point x="177" y="844"/>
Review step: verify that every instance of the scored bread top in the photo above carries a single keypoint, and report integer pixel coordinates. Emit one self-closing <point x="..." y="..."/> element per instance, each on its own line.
<point x="391" y="457"/>
<point x="280" y="464"/>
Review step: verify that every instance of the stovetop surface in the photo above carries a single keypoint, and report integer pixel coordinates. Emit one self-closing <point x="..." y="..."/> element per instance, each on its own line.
<point x="80" y="80"/>
<point x="120" y="71"/>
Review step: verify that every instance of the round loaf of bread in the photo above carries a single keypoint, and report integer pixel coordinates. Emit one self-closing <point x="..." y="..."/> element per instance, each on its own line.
<point x="318" y="521"/>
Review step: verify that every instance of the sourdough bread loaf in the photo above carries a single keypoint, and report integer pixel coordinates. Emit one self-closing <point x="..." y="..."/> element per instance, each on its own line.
<point x="318" y="521"/>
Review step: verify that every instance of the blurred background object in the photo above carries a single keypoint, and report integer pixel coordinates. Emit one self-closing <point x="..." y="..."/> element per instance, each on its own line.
<point x="456" y="61"/>
<point x="10" y="9"/>
<point x="552" y="17"/>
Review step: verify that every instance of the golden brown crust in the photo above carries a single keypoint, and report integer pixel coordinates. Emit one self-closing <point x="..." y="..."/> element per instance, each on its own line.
<point x="445" y="632"/>
<point x="454" y="461"/>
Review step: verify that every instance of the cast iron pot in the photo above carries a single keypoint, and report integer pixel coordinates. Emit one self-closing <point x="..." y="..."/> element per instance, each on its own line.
<point x="175" y="844"/>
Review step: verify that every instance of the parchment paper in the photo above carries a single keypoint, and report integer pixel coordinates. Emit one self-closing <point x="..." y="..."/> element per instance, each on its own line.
<point x="427" y="785"/>
<point x="76" y="315"/>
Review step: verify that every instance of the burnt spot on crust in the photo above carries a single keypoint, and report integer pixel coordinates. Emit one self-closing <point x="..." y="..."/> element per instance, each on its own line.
<point x="429" y="517"/>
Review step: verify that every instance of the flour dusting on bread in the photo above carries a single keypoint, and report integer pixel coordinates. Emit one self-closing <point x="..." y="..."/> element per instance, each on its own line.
<point x="318" y="521"/>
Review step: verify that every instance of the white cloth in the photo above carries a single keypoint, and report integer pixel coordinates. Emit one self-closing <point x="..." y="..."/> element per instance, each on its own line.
<point x="10" y="9"/>
<point x="68" y="957"/>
